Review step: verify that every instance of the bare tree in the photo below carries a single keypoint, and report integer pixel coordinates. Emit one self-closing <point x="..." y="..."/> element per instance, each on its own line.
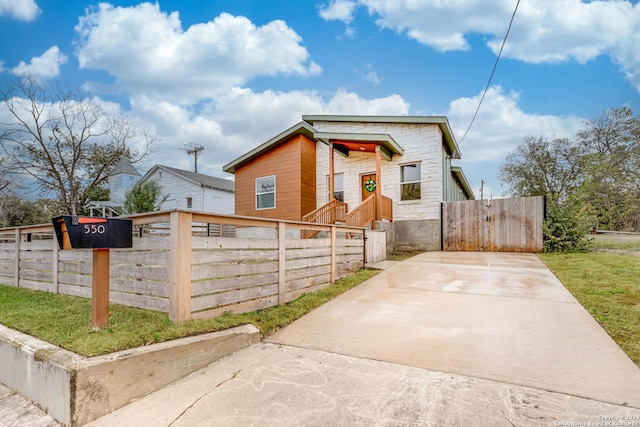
<point x="64" y="139"/>
<point x="4" y="176"/>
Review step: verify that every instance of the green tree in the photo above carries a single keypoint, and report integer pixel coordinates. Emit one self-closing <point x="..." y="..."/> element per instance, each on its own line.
<point x="612" y="167"/>
<point x="599" y="170"/>
<point x="64" y="139"/>
<point x="16" y="211"/>
<point x="144" y="197"/>
<point x="541" y="167"/>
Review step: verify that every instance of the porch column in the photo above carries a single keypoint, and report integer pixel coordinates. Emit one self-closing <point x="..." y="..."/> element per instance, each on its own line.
<point x="378" y="185"/>
<point x="331" y="171"/>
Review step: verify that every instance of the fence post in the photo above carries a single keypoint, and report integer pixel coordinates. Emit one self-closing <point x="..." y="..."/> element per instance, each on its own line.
<point x="16" y="271"/>
<point x="180" y="266"/>
<point x="55" y="268"/>
<point x="282" y="265"/>
<point x="332" y="277"/>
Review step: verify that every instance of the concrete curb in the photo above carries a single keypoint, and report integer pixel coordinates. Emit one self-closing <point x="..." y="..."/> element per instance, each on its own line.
<point x="75" y="389"/>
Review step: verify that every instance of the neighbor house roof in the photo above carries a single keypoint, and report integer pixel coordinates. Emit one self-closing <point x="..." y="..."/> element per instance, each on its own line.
<point x="441" y="121"/>
<point x="124" y="166"/>
<point x="299" y="128"/>
<point x="458" y="175"/>
<point x="197" y="178"/>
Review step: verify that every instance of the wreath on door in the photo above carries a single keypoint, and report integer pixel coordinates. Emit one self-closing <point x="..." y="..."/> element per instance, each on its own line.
<point x="369" y="185"/>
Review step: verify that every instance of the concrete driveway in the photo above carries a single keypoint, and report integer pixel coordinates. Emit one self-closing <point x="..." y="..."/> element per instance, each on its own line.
<point x="440" y="339"/>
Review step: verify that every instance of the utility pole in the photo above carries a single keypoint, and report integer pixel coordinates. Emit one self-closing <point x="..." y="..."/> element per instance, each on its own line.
<point x="482" y="189"/>
<point x="194" y="150"/>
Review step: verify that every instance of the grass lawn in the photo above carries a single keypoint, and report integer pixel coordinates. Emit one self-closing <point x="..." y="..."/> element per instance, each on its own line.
<point x="401" y="256"/>
<point x="65" y="320"/>
<point x="619" y="242"/>
<point x="607" y="284"/>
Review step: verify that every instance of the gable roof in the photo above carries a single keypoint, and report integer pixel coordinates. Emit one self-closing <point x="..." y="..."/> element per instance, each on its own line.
<point x="442" y="122"/>
<point x="299" y="128"/>
<point x="196" y="178"/>
<point x="124" y="166"/>
<point x="306" y="128"/>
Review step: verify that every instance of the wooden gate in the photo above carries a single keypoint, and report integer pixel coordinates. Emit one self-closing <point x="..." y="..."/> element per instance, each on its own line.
<point x="500" y="225"/>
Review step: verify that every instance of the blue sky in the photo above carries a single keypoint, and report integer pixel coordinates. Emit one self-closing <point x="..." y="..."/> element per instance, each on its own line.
<point x="230" y="74"/>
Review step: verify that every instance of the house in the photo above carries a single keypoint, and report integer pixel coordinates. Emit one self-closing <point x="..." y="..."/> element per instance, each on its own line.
<point x="184" y="189"/>
<point x="120" y="180"/>
<point x="387" y="172"/>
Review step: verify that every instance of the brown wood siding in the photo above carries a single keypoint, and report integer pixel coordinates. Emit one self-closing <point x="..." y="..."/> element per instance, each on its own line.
<point x="308" y="175"/>
<point x="291" y="165"/>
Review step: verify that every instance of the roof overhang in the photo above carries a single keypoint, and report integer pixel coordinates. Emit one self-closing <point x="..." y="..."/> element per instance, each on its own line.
<point x="361" y="142"/>
<point x="457" y="173"/>
<point x="448" y="140"/>
<point x="300" y="128"/>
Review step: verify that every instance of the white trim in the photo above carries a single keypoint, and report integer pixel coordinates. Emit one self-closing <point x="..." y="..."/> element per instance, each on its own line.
<point x="419" y="181"/>
<point x="274" y="192"/>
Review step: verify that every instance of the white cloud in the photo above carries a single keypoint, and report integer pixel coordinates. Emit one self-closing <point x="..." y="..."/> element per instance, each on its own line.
<point x="147" y="51"/>
<point x="501" y="125"/>
<point x="45" y="66"/>
<point x="338" y="10"/>
<point x="544" y="31"/>
<point x="369" y="74"/>
<point x="23" y="10"/>
<point x="242" y="119"/>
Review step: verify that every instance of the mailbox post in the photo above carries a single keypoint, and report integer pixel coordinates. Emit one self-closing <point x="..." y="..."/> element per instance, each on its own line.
<point x="99" y="234"/>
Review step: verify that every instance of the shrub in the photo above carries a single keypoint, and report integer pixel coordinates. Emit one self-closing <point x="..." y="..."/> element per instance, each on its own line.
<point x="563" y="231"/>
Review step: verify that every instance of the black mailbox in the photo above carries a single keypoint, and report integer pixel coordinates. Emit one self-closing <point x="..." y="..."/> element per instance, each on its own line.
<point x="86" y="232"/>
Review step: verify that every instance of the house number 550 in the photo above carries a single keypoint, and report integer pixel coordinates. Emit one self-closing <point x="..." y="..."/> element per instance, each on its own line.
<point x="94" y="229"/>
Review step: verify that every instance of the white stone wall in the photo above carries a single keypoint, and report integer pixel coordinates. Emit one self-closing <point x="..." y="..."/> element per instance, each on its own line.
<point x="203" y="199"/>
<point x="421" y="143"/>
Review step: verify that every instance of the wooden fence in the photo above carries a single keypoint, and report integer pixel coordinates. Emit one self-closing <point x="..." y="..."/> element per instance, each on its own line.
<point x="183" y="262"/>
<point x="375" y="246"/>
<point x="500" y="225"/>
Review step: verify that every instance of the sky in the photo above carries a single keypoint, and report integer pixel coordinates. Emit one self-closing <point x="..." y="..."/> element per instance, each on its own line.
<point x="231" y="74"/>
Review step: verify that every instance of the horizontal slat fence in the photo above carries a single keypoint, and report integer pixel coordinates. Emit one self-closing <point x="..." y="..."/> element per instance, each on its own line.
<point x="193" y="275"/>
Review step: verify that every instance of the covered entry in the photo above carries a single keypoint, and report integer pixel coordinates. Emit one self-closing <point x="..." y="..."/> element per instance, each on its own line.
<point x="500" y="225"/>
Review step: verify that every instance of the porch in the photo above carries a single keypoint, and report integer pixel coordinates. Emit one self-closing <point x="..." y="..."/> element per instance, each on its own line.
<point x="366" y="214"/>
<point x="374" y="206"/>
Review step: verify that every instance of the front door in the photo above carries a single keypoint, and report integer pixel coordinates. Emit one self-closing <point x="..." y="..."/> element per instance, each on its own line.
<point x="368" y="185"/>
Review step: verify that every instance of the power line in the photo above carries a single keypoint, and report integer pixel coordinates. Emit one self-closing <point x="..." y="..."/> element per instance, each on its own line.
<point x="504" y="40"/>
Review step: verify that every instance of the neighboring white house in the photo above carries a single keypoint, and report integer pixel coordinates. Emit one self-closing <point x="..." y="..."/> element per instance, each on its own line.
<point x="189" y="190"/>
<point x="121" y="179"/>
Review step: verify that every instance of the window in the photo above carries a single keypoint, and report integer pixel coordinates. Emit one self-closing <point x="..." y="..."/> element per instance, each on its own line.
<point x="189" y="202"/>
<point x="266" y="192"/>
<point x="338" y="187"/>
<point x="410" y="182"/>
